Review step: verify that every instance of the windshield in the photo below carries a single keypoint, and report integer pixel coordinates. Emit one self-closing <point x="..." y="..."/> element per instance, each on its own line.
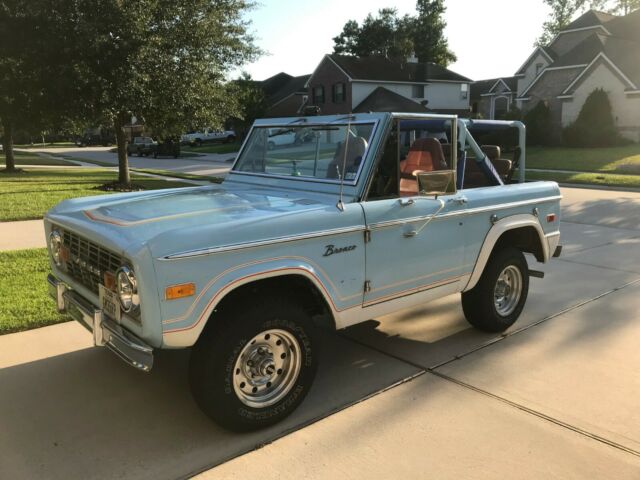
<point x="328" y="152"/>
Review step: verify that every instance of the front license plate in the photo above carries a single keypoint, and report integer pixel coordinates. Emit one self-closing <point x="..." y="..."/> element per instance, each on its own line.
<point x="109" y="303"/>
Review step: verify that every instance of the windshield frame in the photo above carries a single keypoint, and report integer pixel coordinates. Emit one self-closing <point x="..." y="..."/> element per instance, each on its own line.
<point x="340" y="121"/>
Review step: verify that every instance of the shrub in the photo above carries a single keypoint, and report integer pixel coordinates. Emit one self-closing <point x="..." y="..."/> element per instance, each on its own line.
<point x="538" y="123"/>
<point x="595" y="126"/>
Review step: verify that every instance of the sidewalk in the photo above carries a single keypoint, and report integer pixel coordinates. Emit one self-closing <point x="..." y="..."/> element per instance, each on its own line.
<point x="21" y="235"/>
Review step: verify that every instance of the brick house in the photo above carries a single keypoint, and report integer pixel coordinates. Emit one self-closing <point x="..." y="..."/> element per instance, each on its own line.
<point x="597" y="50"/>
<point x="345" y="84"/>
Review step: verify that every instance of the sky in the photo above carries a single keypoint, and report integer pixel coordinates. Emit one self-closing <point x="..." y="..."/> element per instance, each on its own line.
<point x="491" y="38"/>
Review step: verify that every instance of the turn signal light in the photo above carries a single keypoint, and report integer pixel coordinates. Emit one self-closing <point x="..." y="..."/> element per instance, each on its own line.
<point x="180" y="291"/>
<point x="551" y="218"/>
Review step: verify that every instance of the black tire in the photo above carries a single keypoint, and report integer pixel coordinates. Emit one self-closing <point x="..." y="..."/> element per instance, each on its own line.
<point x="230" y="139"/>
<point x="212" y="367"/>
<point x="480" y="305"/>
<point x="197" y="142"/>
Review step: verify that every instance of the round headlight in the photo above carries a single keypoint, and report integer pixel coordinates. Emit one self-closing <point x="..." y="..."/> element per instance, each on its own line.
<point x="55" y="246"/>
<point x="127" y="289"/>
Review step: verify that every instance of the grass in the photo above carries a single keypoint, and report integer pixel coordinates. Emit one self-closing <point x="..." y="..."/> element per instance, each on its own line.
<point x="23" y="158"/>
<point x="25" y="302"/>
<point x="214" y="148"/>
<point x="28" y="195"/>
<point x="46" y="145"/>
<point x="619" y="160"/>
<point x="588" y="178"/>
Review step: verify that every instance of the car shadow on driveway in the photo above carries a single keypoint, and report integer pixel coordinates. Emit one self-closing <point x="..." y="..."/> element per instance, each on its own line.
<point x="86" y="415"/>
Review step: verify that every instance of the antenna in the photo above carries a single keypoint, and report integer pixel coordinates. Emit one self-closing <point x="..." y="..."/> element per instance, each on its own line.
<point x="340" y="204"/>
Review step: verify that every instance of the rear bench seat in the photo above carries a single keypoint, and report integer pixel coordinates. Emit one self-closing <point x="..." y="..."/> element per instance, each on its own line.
<point x="473" y="176"/>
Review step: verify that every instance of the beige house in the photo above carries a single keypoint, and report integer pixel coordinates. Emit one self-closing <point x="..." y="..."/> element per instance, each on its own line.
<point x="597" y="50"/>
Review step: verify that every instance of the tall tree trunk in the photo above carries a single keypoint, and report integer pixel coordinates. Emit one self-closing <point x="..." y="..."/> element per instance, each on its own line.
<point x="124" y="178"/>
<point x="7" y="145"/>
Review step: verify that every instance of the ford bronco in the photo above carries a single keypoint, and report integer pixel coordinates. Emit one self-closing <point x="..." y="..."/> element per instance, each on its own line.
<point x="373" y="213"/>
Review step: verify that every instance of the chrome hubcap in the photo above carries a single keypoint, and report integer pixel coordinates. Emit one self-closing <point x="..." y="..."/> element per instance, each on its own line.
<point x="267" y="368"/>
<point x="508" y="290"/>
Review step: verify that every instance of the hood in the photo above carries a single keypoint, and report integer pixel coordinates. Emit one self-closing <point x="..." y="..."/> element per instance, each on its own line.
<point x="190" y="218"/>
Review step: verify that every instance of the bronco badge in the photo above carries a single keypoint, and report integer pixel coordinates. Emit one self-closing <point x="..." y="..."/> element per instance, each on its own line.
<point x="331" y="249"/>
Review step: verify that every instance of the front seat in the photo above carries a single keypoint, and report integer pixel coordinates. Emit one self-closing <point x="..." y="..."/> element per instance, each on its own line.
<point x="349" y="154"/>
<point x="424" y="155"/>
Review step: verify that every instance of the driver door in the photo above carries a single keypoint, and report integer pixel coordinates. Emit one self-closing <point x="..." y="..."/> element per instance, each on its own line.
<point x="416" y="242"/>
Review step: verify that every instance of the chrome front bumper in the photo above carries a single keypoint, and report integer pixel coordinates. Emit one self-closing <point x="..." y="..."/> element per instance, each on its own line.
<point x="106" y="332"/>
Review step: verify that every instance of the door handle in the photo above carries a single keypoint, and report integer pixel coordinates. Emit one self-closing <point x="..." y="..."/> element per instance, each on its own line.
<point x="407" y="202"/>
<point x="458" y="200"/>
<point x="410" y="233"/>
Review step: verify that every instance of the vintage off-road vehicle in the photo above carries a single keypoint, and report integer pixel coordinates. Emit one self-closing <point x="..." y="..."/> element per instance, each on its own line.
<point x="374" y="213"/>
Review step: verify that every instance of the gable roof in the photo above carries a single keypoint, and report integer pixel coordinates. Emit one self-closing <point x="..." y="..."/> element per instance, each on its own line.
<point x="384" y="100"/>
<point x="296" y="85"/>
<point x="282" y="85"/>
<point x="546" y="52"/>
<point x="592" y="18"/>
<point x="376" y="68"/>
<point x="482" y="87"/>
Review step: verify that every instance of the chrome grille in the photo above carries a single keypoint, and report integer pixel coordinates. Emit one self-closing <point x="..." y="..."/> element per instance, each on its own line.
<point x="88" y="261"/>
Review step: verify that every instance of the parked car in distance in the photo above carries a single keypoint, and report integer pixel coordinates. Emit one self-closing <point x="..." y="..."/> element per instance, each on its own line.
<point x="141" y="146"/>
<point x="282" y="137"/>
<point x="208" y="135"/>
<point x="377" y="213"/>
<point x="96" y="136"/>
<point x="166" y="148"/>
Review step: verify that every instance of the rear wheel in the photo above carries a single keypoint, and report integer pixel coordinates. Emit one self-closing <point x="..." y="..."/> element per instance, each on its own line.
<point x="497" y="300"/>
<point x="255" y="365"/>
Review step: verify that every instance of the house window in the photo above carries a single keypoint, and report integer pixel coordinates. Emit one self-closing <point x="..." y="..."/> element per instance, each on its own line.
<point x="417" y="91"/>
<point x="464" y="91"/>
<point x="318" y="95"/>
<point x="539" y="67"/>
<point x="338" y="93"/>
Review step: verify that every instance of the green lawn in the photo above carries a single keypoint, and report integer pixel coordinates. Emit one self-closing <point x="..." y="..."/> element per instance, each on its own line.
<point x="23" y="158"/>
<point x="214" y="148"/>
<point x="604" y="179"/>
<point x="25" y="303"/>
<point x="46" y="145"/>
<point x="28" y="195"/>
<point x="620" y="160"/>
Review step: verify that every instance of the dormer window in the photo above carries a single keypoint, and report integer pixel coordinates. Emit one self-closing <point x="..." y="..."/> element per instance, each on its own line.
<point x="539" y="67"/>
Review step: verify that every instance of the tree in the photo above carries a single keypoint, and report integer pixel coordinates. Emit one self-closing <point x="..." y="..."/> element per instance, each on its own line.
<point x="391" y="36"/>
<point x="538" y="123"/>
<point x="160" y="60"/>
<point x="595" y="125"/>
<point x="35" y="77"/>
<point x="251" y="100"/>
<point x="562" y="12"/>
<point x="386" y="35"/>
<point x="623" y="7"/>
<point x="431" y="45"/>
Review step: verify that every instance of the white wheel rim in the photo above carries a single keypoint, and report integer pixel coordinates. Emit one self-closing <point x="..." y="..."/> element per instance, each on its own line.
<point x="508" y="290"/>
<point x="267" y="368"/>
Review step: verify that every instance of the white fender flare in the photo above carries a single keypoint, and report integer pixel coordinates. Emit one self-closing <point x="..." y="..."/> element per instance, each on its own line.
<point x="500" y="227"/>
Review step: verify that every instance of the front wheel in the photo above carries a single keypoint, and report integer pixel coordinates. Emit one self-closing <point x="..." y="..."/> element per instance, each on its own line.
<point x="255" y="365"/>
<point x="497" y="300"/>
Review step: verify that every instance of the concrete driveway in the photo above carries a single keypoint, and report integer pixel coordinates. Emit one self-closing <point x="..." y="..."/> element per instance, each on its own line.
<point x="417" y="394"/>
<point x="203" y="164"/>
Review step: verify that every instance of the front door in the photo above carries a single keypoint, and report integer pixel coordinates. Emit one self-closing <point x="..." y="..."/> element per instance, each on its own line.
<point x="416" y="241"/>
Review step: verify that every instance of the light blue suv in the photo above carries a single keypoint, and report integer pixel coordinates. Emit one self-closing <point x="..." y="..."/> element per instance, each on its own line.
<point x="370" y="214"/>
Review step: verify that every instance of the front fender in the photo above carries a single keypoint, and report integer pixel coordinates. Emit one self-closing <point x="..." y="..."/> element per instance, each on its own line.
<point x="184" y="331"/>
